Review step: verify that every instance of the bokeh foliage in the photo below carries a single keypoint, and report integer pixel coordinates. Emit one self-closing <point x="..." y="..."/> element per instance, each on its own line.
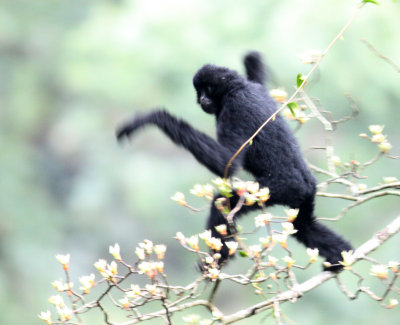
<point x="72" y="70"/>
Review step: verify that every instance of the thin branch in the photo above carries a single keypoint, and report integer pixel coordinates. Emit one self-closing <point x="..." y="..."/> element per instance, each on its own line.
<point x="354" y="111"/>
<point x="173" y="310"/>
<point x="167" y="311"/>
<point x="385" y="58"/>
<point x="334" y="178"/>
<point x="357" y="198"/>
<point x="338" y="196"/>
<point x="390" y="286"/>
<point x="359" y="202"/>
<point x="395" y="185"/>
<point x="106" y="318"/>
<point x="299" y="290"/>
<point x="372" y="161"/>
<point x="214" y="291"/>
<point x="327" y="126"/>
<point x="232" y="228"/>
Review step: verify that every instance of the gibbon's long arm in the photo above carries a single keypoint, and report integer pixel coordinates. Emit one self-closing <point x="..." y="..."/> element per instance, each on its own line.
<point x="205" y="149"/>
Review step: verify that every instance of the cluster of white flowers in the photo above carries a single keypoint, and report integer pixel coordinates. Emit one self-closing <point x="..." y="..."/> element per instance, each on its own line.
<point x="193" y="242"/>
<point x="289" y="261"/>
<point x="87" y="283"/>
<point x="281" y="239"/>
<point x="263" y="219"/>
<point x="233" y="246"/>
<point x="213" y="243"/>
<point x="146" y="248"/>
<point x="179" y="198"/>
<point x="251" y="191"/>
<point x="312" y="254"/>
<point x="106" y="270"/>
<point x="255" y="250"/>
<point x="265" y="241"/>
<point x="279" y="94"/>
<point x="151" y="269"/>
<point x="292" y="214"/>
<point x="61" y="286"/>
<point x="222" y="229"/>
<point x="133" y="295"/>
<point x="109" y="271"/>
<point x="115" y="252"/>
<point x="223" y="186"/>
<point x="64" y="260"/>
<point x="378" y="137"/>
<point x="206" y="191"/>
<point x="63" y="311"/>
<point x="381" y="271"/>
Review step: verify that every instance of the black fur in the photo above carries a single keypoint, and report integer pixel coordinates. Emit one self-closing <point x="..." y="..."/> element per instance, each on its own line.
<point x="255" y="68"/>
<point x="274" y="157"/>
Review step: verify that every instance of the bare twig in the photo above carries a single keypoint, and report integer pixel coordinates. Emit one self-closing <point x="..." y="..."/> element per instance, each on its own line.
<point x="214" y="291"/>
<point x="385" y="58"/>
<point x="393" y="185"/>
<point x="373" y="160"/>
<point x="173" y="310"/>
<point x="360" y="201"/>
<point x="337" y="196"/>
<point x="335" y="178"/>
<point x="354" y="111"/>
<point x="327" y="126"/>
<point x="106" y="318"/>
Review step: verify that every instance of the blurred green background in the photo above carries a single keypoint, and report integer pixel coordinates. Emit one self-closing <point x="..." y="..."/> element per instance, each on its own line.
<point x="71" y="71"/>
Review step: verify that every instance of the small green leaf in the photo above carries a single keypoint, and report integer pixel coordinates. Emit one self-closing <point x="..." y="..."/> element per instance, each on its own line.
<point x="371" y="1"/>
<point x="299" y="80"/>
<point x="292" y="106"/>
<point x="243" y="254"/>
<point x="226" y="193"/>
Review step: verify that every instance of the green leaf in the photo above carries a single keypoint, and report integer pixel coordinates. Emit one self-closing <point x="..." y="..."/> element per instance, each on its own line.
<point x="299" y="80"/>
<point x="371" y="1"/>
<point x="292" y="106"/>
<point x="243" y="254"/>
<point x="226" y="192"/>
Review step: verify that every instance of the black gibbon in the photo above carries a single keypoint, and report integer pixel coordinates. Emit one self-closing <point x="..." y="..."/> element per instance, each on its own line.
<point x="274" y="158"/>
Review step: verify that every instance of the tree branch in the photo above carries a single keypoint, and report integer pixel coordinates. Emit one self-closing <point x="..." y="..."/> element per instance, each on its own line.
<point x="299" y="290"/>
<point x="385" y="58"/>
